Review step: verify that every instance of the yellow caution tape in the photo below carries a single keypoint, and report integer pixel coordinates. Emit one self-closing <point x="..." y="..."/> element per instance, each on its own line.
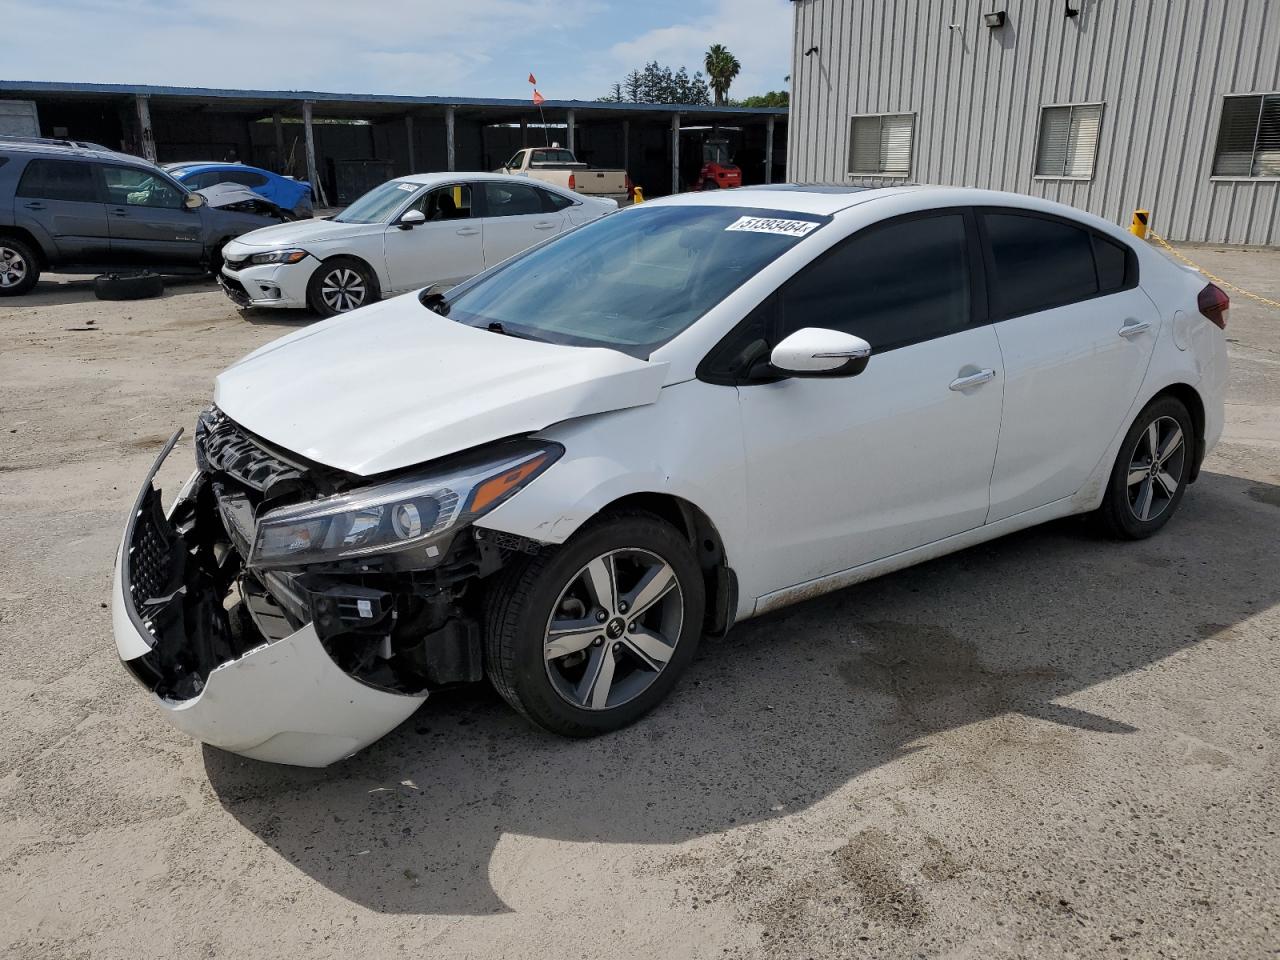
<point x="1218" y="280"/>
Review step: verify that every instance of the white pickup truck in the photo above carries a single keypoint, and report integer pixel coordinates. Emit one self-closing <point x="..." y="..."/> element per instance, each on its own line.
<point x="559" y="166"/>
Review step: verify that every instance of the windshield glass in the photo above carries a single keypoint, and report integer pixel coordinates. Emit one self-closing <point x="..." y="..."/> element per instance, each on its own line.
<point x="379" y="203"/>
<point x="630" y="281"/>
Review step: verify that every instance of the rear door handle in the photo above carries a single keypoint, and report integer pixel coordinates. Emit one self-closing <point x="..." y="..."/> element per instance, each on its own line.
<point x="972" y="380"/>
<point x="1132" y="328"/>
<point x="468" y="231"/>
<point x="544" y="225"/>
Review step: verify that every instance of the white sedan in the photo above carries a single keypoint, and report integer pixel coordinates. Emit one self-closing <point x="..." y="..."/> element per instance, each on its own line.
<point x="435" y="228"/>
<point x="563" y="473"/>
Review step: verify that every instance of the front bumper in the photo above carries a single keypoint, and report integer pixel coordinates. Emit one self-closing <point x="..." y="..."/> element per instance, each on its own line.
<point x="268" y="285"/>
<point x="283" y="700"/>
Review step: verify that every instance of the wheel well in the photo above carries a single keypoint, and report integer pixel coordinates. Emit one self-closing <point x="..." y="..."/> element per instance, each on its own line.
<point x="18" y="233"/>
<point x="718" y="577"/>
<point x="373" y="274"/>
<point x="1189" y="398"/>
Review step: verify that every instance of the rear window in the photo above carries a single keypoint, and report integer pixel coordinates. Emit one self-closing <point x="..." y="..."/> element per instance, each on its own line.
<point x="1113" y="264"/>
<point x="59" y="180"/>
<point x="551" y="202"/>
<point x="1038" y="263"/>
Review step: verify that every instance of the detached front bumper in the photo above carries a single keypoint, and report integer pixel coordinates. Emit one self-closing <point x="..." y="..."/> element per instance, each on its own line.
<point x="283" y="700"/>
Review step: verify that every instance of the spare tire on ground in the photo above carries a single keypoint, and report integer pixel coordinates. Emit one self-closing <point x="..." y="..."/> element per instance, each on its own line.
<point x="128" y="286"/>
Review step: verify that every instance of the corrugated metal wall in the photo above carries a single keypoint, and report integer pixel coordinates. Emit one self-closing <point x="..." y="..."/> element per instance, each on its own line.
<point x="1161" y="68"/>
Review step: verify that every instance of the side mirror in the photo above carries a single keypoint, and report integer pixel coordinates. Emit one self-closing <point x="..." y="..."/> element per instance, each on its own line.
<point x="193" y="201"/>
<point x="411" y="219"/>
<point x="818" y="352"/>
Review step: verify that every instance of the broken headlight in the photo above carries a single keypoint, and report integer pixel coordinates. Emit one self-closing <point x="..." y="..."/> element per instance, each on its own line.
<point x="406" y="515"/>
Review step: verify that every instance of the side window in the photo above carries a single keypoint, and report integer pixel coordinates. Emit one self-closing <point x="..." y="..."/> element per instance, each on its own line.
<point x="445" y="203"/>
<point x="1038" y="263"/>
<point x="202" y="180"/>
<point x="246" y="178"/>
<point x="1116" y="265"/>
<point x="552" y="202"/>
<point x="135" y="187"/>
<point x="893" y="284"/>
<point x="59" y="180"/>
<point x="511" y="199"/>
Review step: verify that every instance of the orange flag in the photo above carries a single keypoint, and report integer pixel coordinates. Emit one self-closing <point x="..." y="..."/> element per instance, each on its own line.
<point x="532" y="80"/>
<point x="538" y="98"/>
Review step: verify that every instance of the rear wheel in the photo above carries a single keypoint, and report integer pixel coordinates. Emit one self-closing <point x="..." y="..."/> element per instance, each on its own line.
<point x="592" y="637"/>
<point x="19" y="268"/>
<point x="341" y="285"/>
<point x="1150" y="472"/>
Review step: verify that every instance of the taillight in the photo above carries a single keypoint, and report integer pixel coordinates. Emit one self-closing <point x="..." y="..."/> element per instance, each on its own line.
<point x="1214" y="304"/>
<point x="573" y="183"/>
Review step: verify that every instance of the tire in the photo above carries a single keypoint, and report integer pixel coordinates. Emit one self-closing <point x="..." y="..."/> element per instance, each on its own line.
<point x="19" y="267"/>
<point x="333" y="287"/>
<point x="557" y="694"/>
<point x="1138" y="501"/>
<point x="128" y="286"/>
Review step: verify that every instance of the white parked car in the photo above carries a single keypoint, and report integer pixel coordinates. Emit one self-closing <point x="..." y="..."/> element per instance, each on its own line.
<point x="563" y="473"/>
<point x="434" y="228"/>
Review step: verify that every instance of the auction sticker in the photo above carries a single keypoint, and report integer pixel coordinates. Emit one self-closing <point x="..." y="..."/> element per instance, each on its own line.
<point x="407" y="187"/>
<point x="787" y="228"/>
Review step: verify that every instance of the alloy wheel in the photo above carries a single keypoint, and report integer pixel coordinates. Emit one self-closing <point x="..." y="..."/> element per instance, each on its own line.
<point x="343" y="289"/>
<point x="13" y="267"/>
<point x="613" y="629"/>
<point x="1156" y="468"/>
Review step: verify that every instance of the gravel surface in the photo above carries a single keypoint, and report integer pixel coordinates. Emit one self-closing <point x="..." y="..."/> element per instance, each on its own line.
<point x="1047" y="746"/>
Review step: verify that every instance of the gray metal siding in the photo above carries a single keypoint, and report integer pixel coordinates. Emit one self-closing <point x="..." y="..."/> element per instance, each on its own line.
<point x="1159" y="67"/>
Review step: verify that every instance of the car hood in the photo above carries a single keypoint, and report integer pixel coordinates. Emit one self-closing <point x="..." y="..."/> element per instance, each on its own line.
<point x="301" y="232"/>
<point x="394" y="384"/>
<point x="226" y="194"/>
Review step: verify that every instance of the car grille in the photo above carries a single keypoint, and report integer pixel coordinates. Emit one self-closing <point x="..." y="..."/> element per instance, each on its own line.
<point x="223" y="446"/>
<point x="231" y="263"/>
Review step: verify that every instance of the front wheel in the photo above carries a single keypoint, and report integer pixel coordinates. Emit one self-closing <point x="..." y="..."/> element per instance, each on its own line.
<point x="1150" y="472"/>
<point x="19" y="268"/>
<point x="340" y="285"/>
<point x="592" y="637"/>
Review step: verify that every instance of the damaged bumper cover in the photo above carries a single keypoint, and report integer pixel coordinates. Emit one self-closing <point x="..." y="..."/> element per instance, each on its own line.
<point x="221" y="661"/>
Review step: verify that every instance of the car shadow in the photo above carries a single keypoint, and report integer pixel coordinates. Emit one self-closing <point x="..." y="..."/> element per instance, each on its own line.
<point x="50" y="293"/>
<point x="779" y="714"/>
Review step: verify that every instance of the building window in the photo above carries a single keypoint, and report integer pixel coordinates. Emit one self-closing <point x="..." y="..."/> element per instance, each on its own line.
<point x="1068" y="141"/>
<point x="880" y="145"/>
<point x="1249" y="137"/>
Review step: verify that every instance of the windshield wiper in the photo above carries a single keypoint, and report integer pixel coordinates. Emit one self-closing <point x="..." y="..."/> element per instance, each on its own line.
<point x="495" y="326"/>
<point x="435" y="302"/>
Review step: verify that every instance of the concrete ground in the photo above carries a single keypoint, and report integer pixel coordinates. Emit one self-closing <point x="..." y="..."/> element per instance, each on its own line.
<point x="1048" y="746"/>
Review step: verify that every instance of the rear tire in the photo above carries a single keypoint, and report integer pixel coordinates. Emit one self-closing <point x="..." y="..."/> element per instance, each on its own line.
<point x="1150" y="473"/>
<point x="128" y="286"/>
<point x="619" y="658"/>
<point x="19" y="267"/>
<point x="340" y="285"/>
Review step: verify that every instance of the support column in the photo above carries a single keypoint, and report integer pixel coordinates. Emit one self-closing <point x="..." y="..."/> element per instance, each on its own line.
<point x="524" y="133"/>
<point x="278" y="127"/>
<point x="408" y="132"/>
<point x="317" y="188"/>
<point x="768" y="150"/>
<point x="569" y="125"/>
<point x="146" y="139"/>
<point x="675" y="153"/>
<point x="448" y="139"/>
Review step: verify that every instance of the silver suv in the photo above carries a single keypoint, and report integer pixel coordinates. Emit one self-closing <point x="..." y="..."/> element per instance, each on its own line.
<point x="81" y="209"/>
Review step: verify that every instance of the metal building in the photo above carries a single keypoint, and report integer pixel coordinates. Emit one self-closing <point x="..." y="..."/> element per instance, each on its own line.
<point x="1107" y="105"/>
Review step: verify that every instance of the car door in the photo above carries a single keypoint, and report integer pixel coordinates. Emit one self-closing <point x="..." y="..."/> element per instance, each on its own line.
<point x="1076" y="332"/>
<point x="445" y="249"/>
<point x="515" y="218"/>
<point x="60" y="200"/>
<point x="148" y="217"/>
<point x="844" y="471"/>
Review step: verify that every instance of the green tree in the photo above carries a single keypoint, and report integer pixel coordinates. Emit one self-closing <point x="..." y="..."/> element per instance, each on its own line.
<point x="722" y="67"/>
<point x="774" y="98"/>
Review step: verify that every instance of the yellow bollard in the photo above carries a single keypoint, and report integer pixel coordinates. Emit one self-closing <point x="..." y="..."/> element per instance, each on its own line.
<point x="637" y="195"/>
<point x="1141" y="218"/>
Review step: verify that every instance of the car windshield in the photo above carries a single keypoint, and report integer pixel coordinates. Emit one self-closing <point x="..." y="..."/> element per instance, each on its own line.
<point x="378" y="204"/>
<point x="630" y="281"/>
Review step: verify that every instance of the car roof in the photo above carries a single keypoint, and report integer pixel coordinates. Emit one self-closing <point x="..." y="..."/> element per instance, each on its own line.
<point x="430" y="179"/>
<point x="71" y="151"/>
<point x="197" y="165"/>
<point x="798" y="198"/>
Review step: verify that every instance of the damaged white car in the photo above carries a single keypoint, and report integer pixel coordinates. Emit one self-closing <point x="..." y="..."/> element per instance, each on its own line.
<point x="564" y="472"/>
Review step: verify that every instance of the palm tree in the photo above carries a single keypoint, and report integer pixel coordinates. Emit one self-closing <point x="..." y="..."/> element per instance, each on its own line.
<point x="722" y="66"/>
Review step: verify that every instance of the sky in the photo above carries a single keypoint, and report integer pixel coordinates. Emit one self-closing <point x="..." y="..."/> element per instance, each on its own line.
<point x="484" y="48"/>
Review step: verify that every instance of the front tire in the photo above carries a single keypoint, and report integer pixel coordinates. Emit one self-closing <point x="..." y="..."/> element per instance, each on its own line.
<point x="591" y="637"/>
<point x="19" y="268"/>
<point x="340" y="285"/>
<point x="1151" y="471"/>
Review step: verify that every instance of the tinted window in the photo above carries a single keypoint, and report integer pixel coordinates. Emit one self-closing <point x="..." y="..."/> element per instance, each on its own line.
<point x="245" y="177"/>
<point x="1113" y="264"/>
<point x="551" y="202"/>
<point x="1038" y="263"/>
<point x="58" y="180"/>
<point x="135" y="187"/>
<point x="445" y="203"/>
<point x="511" y="200"/>
<point x="891" y="285"/>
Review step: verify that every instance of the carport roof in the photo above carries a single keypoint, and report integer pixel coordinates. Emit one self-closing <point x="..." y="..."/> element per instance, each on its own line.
<point x="370" y="105"/>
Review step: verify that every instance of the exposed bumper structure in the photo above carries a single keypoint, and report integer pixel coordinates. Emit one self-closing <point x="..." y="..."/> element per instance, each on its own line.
<point x="283" y="700"/>
<point x="268" y="285"/>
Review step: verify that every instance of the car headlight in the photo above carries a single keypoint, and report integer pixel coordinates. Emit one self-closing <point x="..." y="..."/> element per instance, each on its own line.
<point x="278" y="256"/>
<point x="412" y="514"/>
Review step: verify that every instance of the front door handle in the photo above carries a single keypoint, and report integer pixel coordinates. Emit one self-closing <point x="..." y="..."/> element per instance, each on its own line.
<point x="1132" y="328"/>
<point x="468" y="231"/>
<point x="972" y="380"/>
<point x="34" y="206"/>
<point x="544" y="226"/>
